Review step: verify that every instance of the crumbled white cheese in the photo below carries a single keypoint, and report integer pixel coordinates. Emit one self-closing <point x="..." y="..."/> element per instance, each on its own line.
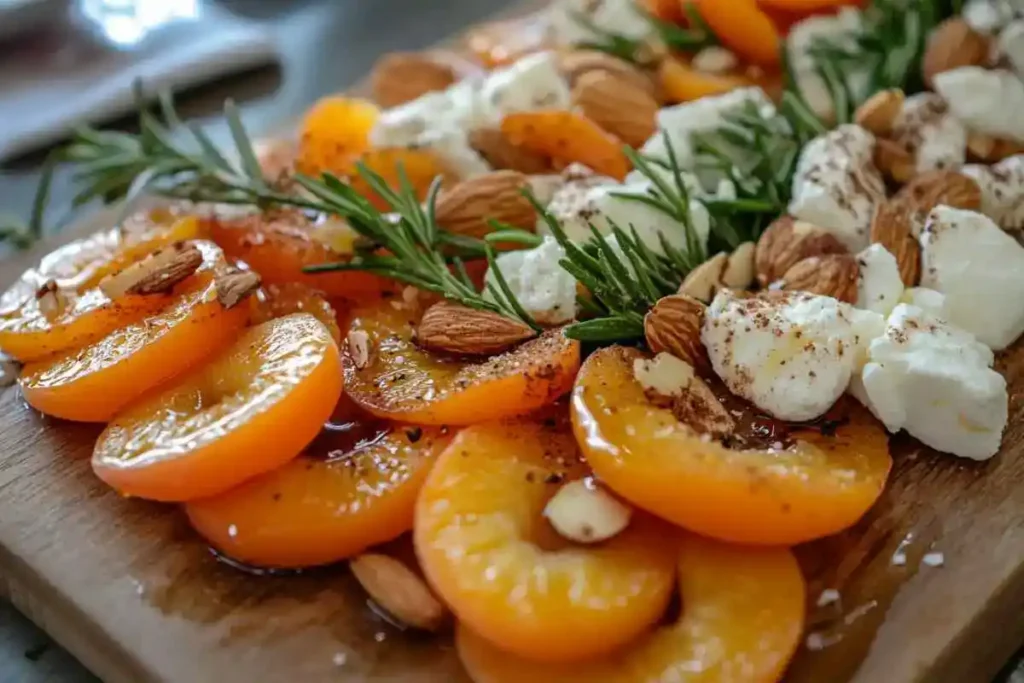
<point x="935" y="381"/>
<point x="879" y="286"/>
<point x="532" y="83"/>
<point x="933" y="559"/>
<point x="544" y="289"/>
<point x="839" y="30"/>
<point x="664" y="374"/>
<point x="980" y="270"/>
<point x="837" y="186"/>
<point x="681" y="121"/>
<point x="1010" y="46"/>
<point x="792" y="355"/>
<point x="926" y="128"/>
<point x="1002" y="191"/>
<point x="985" y="100"/>
<point x="931" y="302"/>
<point x="621" y="17"/>
<point x="989" y="16"/>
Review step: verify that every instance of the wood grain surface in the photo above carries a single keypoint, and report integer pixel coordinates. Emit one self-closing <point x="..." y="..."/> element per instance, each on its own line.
<point x="129" y="590"/>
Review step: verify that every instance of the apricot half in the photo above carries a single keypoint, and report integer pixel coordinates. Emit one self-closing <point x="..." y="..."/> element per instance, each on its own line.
<point x="819" y="485"/>
<point x="488" y="551"/>
<point x="400" y="381"/>
<point x="742" y="619"/>
<point x="248" y="411"/>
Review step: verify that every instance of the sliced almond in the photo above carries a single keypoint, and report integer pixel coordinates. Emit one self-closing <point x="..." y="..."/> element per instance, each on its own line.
<point x="715" y="59"/>
<point x="155" y="274"/>
<point x="951" y="45"/>
<point x="878" y="114"/>
<point x="788" y="241"/>
<point x="235" y="285"/>
<point x="706" y="279"/>
<point x="894" y="160"/>
<point x="892" y="227"/>
<point x="673" y="326"/>
<point x="670" y="382"/>
<point x="833" y="275"/>
<point x="401" y="77"/>
<point x="398" y="589"/>
<point x="359" y="347"/>
<point x="453" y="328"/>
<point x="500" y="153"/>
<point x="739" y="269"/>
<point x="50" y="299"/>
<point x="617" y="105"/>
<point x="584" y="512"/>
<point x="468" y="207"/>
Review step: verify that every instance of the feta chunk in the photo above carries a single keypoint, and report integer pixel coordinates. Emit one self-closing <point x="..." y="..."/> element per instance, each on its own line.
<point x="681" y="121"/>
<point x="980" y="269"/>
<point x="928" y="300"/>
<point x="985" y="100"/>
<point x="989" y="16"/>
<point x="879" y="286"/>
<point x="532" y="83"/>
<point x="545" y="290"/>
<point x="1010" y="46"/>
<point x="1002" y="191"/>
<point x="935" y="381"/>
<point x="926" y="128"/>
<point x="840" y="30"/>
<point x="837" y="186"/>
<point x="621" y="17"/>
<point x="791" y="354"/>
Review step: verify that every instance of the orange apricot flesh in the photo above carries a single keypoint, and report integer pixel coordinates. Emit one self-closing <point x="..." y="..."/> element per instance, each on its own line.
<point x="355" y="486"/>
<point x="816" y="487"/>
<point x="744" y="28"/>
<point x="335" y="130"/>
<point x="403" y="382"/>
<point x="680" y="82"/>
<point x="568" y="137"/>
<point x="741" y="621"/>
<point x="276" y="301"/>
<point x="487" y="549"/>
<point x="248" y="411"/>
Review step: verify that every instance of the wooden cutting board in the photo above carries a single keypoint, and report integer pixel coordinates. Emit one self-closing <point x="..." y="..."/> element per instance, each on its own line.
<point x="129" y="590"/>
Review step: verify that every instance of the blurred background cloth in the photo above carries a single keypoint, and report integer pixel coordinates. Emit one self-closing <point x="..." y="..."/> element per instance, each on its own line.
<point x="78" y="66"/>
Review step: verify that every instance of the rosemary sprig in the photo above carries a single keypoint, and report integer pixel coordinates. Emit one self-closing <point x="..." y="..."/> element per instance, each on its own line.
<point x="668" y="35"/>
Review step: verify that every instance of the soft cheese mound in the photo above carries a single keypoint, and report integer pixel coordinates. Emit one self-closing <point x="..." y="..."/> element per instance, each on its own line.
<point x="544" y="289"/>
<point x="879" y="287"/>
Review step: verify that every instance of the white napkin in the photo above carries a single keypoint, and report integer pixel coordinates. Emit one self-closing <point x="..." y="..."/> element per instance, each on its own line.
<point x="47" y="89"/>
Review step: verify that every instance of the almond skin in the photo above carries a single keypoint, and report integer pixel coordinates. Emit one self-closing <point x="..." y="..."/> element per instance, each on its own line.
<point x="990" y="150"/>
<point x="892" y="227"/>
<point x="951" y="45"/>
<point x="878" y="114"/>
<point x="235" y="285"/>
<point x="467" y="207"/>
<point x="576" y="63"/>
<point x="155" y="274"/>
<point x="496" y="149"/>
<point x="788" y="241"/>
<point x="673" y="326"/>
<point x="894" y="161"/>
<point x="401" y="77"/>
<point x="617" y="105"/>
<point x="928" y="190"/>
<point x="449" y="327"/>
<point x="399" y="590"/>
<point x="833" y="275"/>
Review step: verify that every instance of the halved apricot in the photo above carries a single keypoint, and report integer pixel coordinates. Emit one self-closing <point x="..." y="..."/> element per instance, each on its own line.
<point x="682" y="83"/>
<point x="355" y="486"/>
<point x="335" y="131"/>
<point x="277" y="301"/>
<point x="93" y="383"/>
<point x="567" y="137"/>
<point x="744" y="28"/>
<point x="248" y="411"/>
<point x="420" y="167"/>
<point x="487" y="549"/>
<point x="279" y="245"/>
<point x="819" y="485"/>
<point x="742" y="619"/>
<point x="400" y="381"/>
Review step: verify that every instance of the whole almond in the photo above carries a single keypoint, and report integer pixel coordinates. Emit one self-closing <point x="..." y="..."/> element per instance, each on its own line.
<point x="951" y="45"/>
<point x="892" y="227"/>
<point x="928" y="190"/>
<point x="453" y="328"/>
<point x="576" y="63"/>
<point x="401" y="77"/>
<point x="673" y="326"/>
<point x="833" y="275"/>
<point x="739" y="269"/>
<point x="706" y="279"/>
<point x="894" y="160"/>
<point x="878" y="114"/>
<point x="156" y="273"/>
<point x="990" y="150"/>
<point x="398" y="589"/>
<point x="617" y="105"/>
<point x="466" y="208"/>
<point x="500" y="153"/>
<point x="788" y="241"/>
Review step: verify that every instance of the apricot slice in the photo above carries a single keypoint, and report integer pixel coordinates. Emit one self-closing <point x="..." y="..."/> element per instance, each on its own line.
<point x="744" y="28"/>
<point x="355" y="486"/>
<point x="682" y="83"/>
<point x="251" y="409"/>
<point x="335" y="131"/>
<point x="490" y="554"/>
<point x="93" y="383"/>
<point x="279" y="245"/>
<point x="400" y="381"/>
<point x="420" y="166"/>
<point x="276" y="301"/>
<point x="804" y="7"/>
<point x="742" y="619"/>
<point x="568" y="137"/>
<point x="819" y="485"/>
